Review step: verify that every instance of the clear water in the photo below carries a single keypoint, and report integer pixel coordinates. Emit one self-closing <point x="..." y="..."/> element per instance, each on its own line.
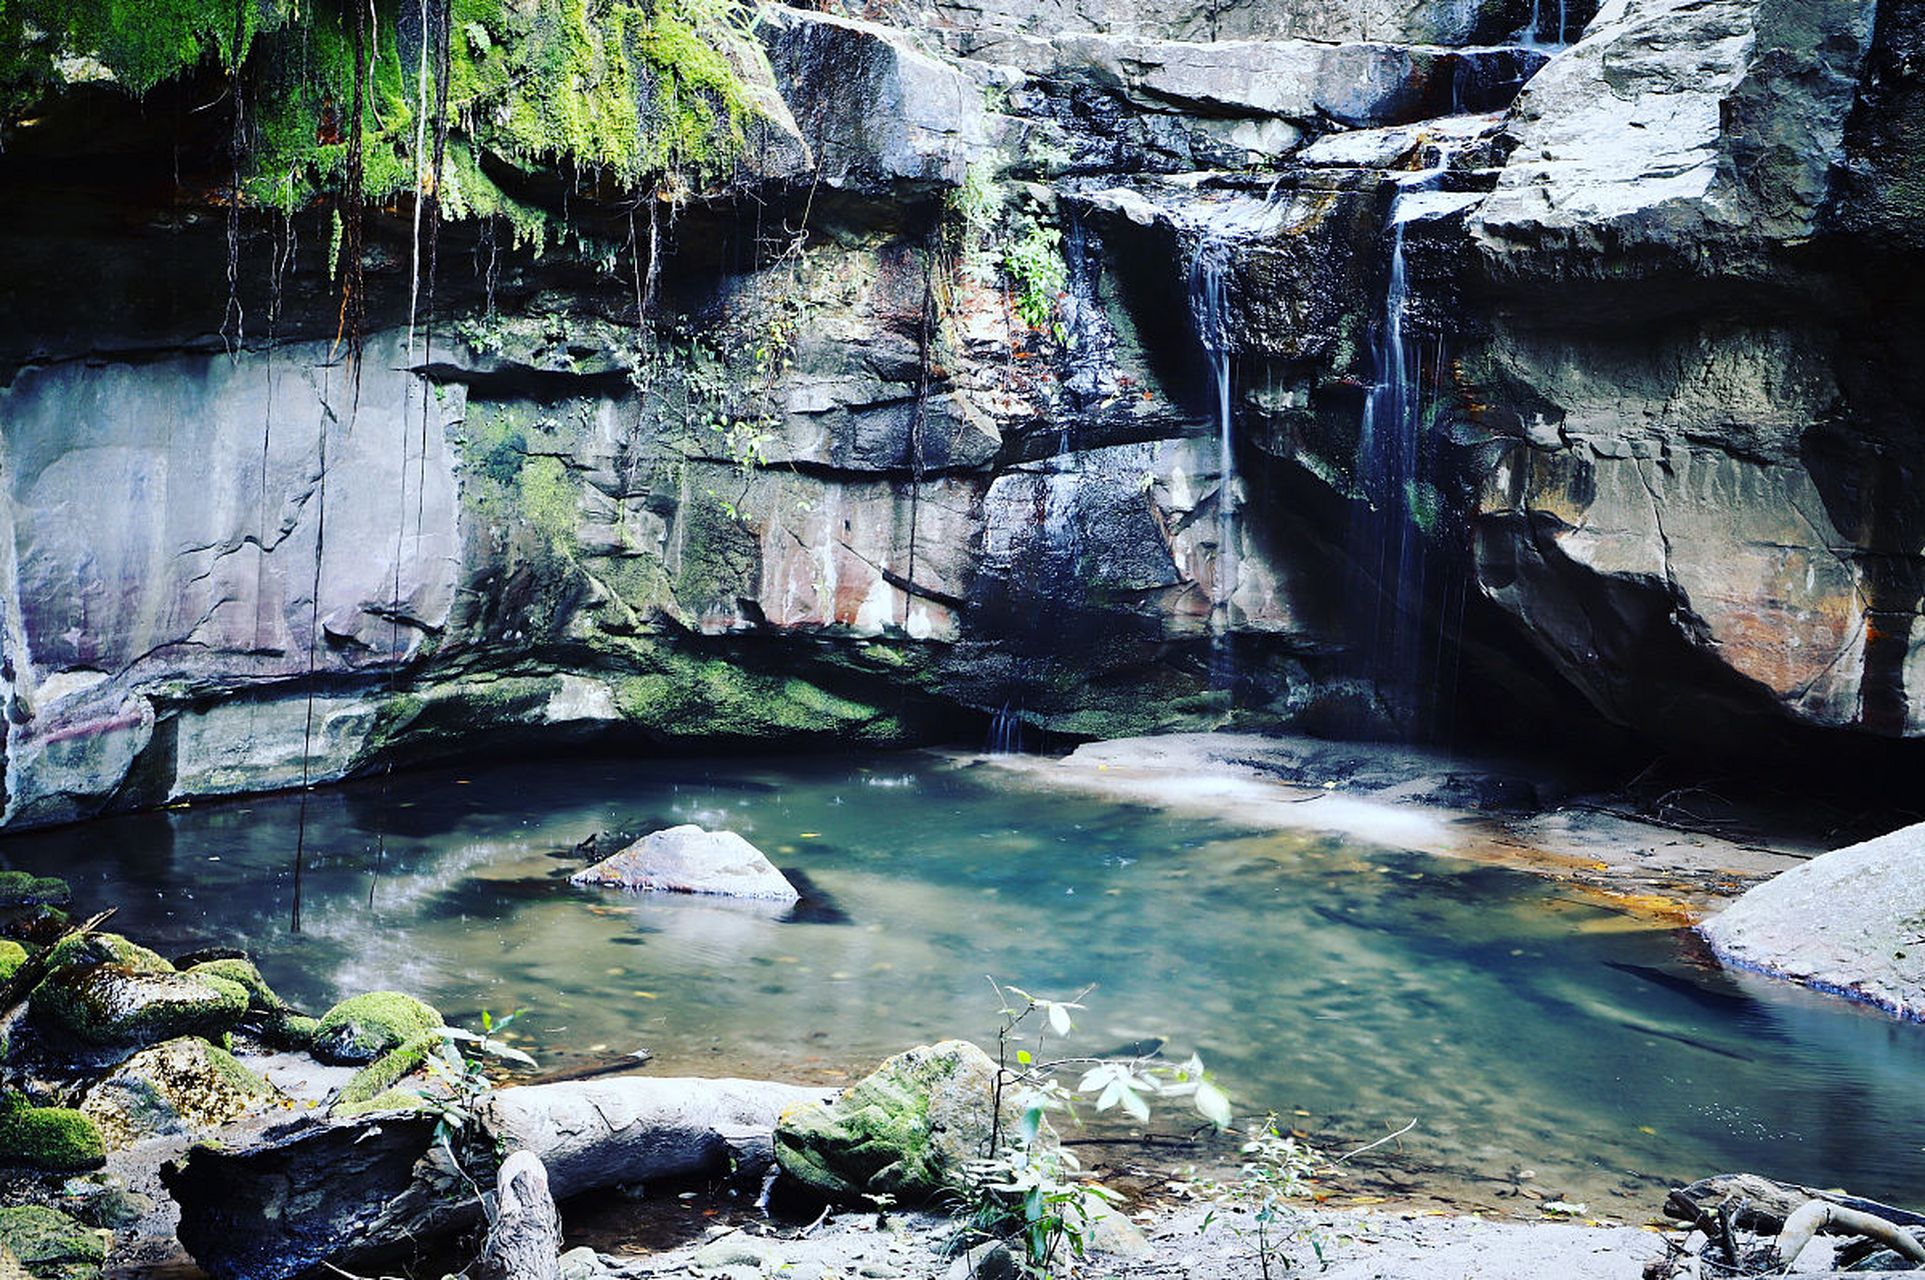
<point x="1364" y="986"/>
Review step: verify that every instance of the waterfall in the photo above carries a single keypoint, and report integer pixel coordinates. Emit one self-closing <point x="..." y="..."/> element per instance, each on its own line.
<point x="1532" y="37"/>
<point x="1398" y="590"/>
<point x="1005" y="733"/>
<point x="1209" y="310"/>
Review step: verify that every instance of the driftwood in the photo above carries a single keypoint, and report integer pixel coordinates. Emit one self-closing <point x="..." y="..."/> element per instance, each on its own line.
<point x="1816" y="1215"/>
<point x="524" y="1242"/>
<point x="365" y="1189"/>
<point x="1761" y="1205"/>
<point x="1756" y="1226"/>
<point x="16" y="989"/>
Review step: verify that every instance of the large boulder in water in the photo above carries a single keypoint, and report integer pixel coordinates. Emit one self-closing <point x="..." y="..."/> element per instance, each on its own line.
<point x="687" y="859"/>
<point x="1848" y="921"/>
<point x="907" y="1131"/>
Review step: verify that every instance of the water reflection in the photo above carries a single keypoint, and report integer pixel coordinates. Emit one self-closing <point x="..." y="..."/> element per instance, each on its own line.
<point x="1524" y="1028"/>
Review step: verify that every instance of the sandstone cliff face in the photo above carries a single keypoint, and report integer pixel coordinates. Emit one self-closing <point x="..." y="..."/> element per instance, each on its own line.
<point x="1588" y="361"/>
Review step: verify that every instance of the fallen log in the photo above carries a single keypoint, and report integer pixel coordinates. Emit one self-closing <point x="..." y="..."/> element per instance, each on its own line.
<point x="366" y="1189"/>
<point x="1762" y="1205"/>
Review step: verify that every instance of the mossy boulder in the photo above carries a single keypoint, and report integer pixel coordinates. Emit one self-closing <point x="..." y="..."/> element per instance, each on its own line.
<point x="12" y="956"/>
<point x="118" y="1007"/>
<point x="362" y="1028"/>
<point x="240" y="970"/>
<point x="21" y="889"/>
<point x="80" y="950"/>
<point x="373" y="1086"/>
<point x="293" y="1030"/>
<point x="185" y="1086"/>
<point x="53" y="1139"/>
<point x="906" y="1131"/>
<point x="51" y="1245"/>
<point x="278" y="1024"/>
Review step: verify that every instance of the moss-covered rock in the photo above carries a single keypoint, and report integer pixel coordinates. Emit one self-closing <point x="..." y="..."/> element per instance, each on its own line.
<point x="292" y="1031"/>
<point x="51" y="1245"/>
<point x="185" y="1086"/>
<point x="906" y="1131"/>
<point x="12" y="956"/>
<point x="121" y="1006"/>
<point x="80" y="950"/>
<point x="362" y="1028"/>
<point x="240" y="970"/>
<point x="374" y="1083"/>
<point x="54" y="1139"/>
<point x="22" y="889"/>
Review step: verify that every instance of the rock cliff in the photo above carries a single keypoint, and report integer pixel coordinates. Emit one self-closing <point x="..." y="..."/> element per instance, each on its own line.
<point x="1384" y="368"/>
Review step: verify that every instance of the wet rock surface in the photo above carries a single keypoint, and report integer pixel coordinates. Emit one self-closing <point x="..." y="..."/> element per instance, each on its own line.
<point x="1847" y="921"/>
<point x="907" y="1130"/>
<point x="687" y="859"/>
<point x="1592" y="399"/>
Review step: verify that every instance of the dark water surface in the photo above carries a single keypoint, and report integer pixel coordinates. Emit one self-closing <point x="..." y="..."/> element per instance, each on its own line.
<point x="1521" y="1027"/>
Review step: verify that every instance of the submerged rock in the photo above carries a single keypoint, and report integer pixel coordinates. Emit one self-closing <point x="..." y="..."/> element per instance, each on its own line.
<point x="185" y="1086"/>
<point x="51" y="1245"/>
<point x="907" y="1131"/>
<point x="1847" y="921"/>
<point x="687" y="859"/>
<point x="362" y="1028"/>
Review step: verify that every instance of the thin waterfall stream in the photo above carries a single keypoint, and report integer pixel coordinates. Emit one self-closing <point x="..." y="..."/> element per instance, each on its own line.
<point x="1209" y="309"/>
<point x="1403" y="597"/>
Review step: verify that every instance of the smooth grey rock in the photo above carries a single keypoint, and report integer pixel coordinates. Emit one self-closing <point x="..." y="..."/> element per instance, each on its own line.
<point x="1678" y="135"/>
<point x="1848" y="921"/>
<point x="1355" y="84"/>
<point x="735" y="1251"/>
<point x="877" y="112"/>
<point x="687" y="859"/>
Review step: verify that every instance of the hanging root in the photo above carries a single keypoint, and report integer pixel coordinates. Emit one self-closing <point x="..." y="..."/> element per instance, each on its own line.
<point x="1816" y="1215"/>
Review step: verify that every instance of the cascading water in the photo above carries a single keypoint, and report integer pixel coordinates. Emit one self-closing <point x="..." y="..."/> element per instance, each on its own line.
<point x="1408" y="608"/>
<point x="1209" y="309"/>
<point x="1534" y="36"/>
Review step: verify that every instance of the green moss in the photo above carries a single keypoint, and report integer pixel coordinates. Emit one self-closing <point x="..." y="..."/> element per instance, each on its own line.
<point x="621" y="92"/>
<point x="380" y="1076"/>
<point x="81" y="949"/>
<point x="391" y="1100"/>
<point x="51" y="1245"/>
<point x="294" y="1031"/>
<point x="711" y="697"/>
<point x="242" y="973"/>
<point x="53" y="1139"/>
<point x="121" y="1006"/>
<point x="185" y="1085"/>
<point x="22" y="889"/>
<point x="362" y="1028"/>
<point x="12" y="956"/>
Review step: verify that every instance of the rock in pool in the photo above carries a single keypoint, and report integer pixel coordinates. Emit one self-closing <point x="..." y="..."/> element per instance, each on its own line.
<point x="687" y="859"/>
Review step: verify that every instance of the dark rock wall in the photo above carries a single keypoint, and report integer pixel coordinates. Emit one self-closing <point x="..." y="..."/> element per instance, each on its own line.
<point x="812" y="474"/>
